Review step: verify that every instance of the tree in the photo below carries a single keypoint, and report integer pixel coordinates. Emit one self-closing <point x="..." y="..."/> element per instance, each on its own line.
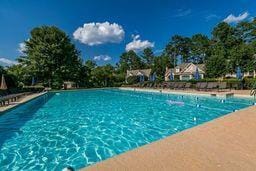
<point x="246" y="31"/>
<point x="10" y="78"/>
<point x="200" y="48"/>
<point x="130" y="61"/>
<point x="216" y="64"/>
<point x="51" y="57"/>
<point x="103" y="76"/>
<point x="160" y="64"/>
<point x="224" y="34"/>
<point x="242" y="56"/>
<point x="86" y="73"/>
<point x="178" y="45"/>
<point x="224" y="40"/>
<point x="148" y="57"/>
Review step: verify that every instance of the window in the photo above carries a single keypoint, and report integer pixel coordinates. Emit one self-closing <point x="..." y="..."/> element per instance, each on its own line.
<point x="185" y="77"/>
<point x="177" y="70"/>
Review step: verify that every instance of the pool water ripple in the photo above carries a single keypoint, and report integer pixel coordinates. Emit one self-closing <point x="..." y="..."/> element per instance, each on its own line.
<point x="80" y="128"/>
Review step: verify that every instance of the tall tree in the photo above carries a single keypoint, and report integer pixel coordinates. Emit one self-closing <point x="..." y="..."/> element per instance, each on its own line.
<point x="50" y="56"/>
<point x="178" y="46"/>
<point x="224" y="34"/>
<point x="160" y="64"/>
<point x="224" y="38"/>
<point x="242" y="56"/>
<point x="200" y="48"/>
<point x="148" y="57"/>
<point x="103" y="76"/>
<point x="246" y="31"/>
<point x="130" y="61"/>
<point x="216" y="63"/>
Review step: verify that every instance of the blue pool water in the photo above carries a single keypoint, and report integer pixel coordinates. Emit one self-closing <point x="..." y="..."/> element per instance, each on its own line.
<point x="80" y="128"/>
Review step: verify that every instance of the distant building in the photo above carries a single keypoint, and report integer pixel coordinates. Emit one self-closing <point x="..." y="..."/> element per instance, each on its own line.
<point x="245" y="74"/>
<point x="145" y="73"/>
<point x="69" y="85"/>
<point x="185" y="71"/>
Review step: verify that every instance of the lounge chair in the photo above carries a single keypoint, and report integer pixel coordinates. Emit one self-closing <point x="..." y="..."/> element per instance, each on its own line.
<point x="198" y="86"/>
<point x="171" y="85"/>
<point x="222" y="86"/>
<point x="159" y="85"/>
<point x="175" y="85"/>
<point x="203" y="86"/>
<point x="164" y="85"/>
<point x="155" y="85"/>
<point x="187" y="85"/>
<point x="212" y="85"/>
<point x="181" y="85"/>
<point x="11" y="98"/>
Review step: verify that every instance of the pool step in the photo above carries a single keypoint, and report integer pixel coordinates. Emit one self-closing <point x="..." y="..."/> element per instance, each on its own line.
<point x="226" y="95"/>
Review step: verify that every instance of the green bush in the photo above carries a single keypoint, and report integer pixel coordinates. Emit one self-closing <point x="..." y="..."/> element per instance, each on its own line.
<point x="132" y="80"/>
<point x="33" y="88"/>
<point x="250" y="83"/>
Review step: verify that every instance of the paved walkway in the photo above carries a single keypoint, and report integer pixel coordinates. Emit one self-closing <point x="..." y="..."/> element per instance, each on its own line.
<point x="20" y="101"/>
<point x="238" y="93"/>
<point x="226" y="143"/>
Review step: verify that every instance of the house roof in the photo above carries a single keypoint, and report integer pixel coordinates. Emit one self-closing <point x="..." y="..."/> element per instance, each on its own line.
<point x="186" y="69"/>
<point x="145" y="72"/>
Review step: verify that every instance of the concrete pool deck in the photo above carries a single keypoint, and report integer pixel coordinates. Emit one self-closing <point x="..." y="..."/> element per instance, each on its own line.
<point x="20" y="101"/>
<point x="236" y="93"/>
<point x="225" y="143"/>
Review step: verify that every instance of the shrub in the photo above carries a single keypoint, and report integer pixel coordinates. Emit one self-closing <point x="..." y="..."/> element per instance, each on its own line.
<point x="132" y="80"/>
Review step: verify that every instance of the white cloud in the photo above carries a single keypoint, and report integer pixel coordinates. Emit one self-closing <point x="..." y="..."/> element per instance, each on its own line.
<point x="7" y="62"/>
<point x="211" y="17"/>
<point x="102" y="58"/>
<point x="99" y="33"/>
<point x="22" y="47"/>
<point x="182" y="12"/>
<point x="138" y="45"/>
<point x="236" y="19"/>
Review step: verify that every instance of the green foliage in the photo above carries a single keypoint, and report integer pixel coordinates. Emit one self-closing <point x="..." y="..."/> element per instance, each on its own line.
<point x="148" y="57"/>
<point x="178" y="45"/>
<point x="50" y="56"/>
<point x="10" y="78"/>
<point x="103" y="76"/>
<point x="216" y="63"/>
<point x="130" y="61"/>
<point x="159" y="66"/>
<point x="250" y="83"/>
<point x="132" y="80"/>
<point x="199" y="48"/>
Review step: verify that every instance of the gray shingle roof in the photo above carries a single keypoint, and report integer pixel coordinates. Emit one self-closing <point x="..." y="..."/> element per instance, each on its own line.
<point x="145" y="72"/>
<point x="181" y="69"/>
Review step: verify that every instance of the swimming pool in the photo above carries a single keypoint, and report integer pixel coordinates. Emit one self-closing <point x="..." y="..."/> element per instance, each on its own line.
<point x="80" y="128"/>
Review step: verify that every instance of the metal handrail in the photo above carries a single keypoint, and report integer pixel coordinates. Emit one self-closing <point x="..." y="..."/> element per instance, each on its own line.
<point x="253" y="93"/>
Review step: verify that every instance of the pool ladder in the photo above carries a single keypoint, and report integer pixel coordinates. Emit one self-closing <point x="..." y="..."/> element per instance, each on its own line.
<point x="253" y="93"/>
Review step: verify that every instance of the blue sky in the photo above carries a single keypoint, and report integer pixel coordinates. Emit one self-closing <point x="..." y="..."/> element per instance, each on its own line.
<point x="109" y="27"/>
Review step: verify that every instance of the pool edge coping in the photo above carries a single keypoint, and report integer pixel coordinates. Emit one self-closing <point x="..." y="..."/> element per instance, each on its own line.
<point x="186" y="131"/>
<point x="23" y="101"/>
<point x="199" y="93"/>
